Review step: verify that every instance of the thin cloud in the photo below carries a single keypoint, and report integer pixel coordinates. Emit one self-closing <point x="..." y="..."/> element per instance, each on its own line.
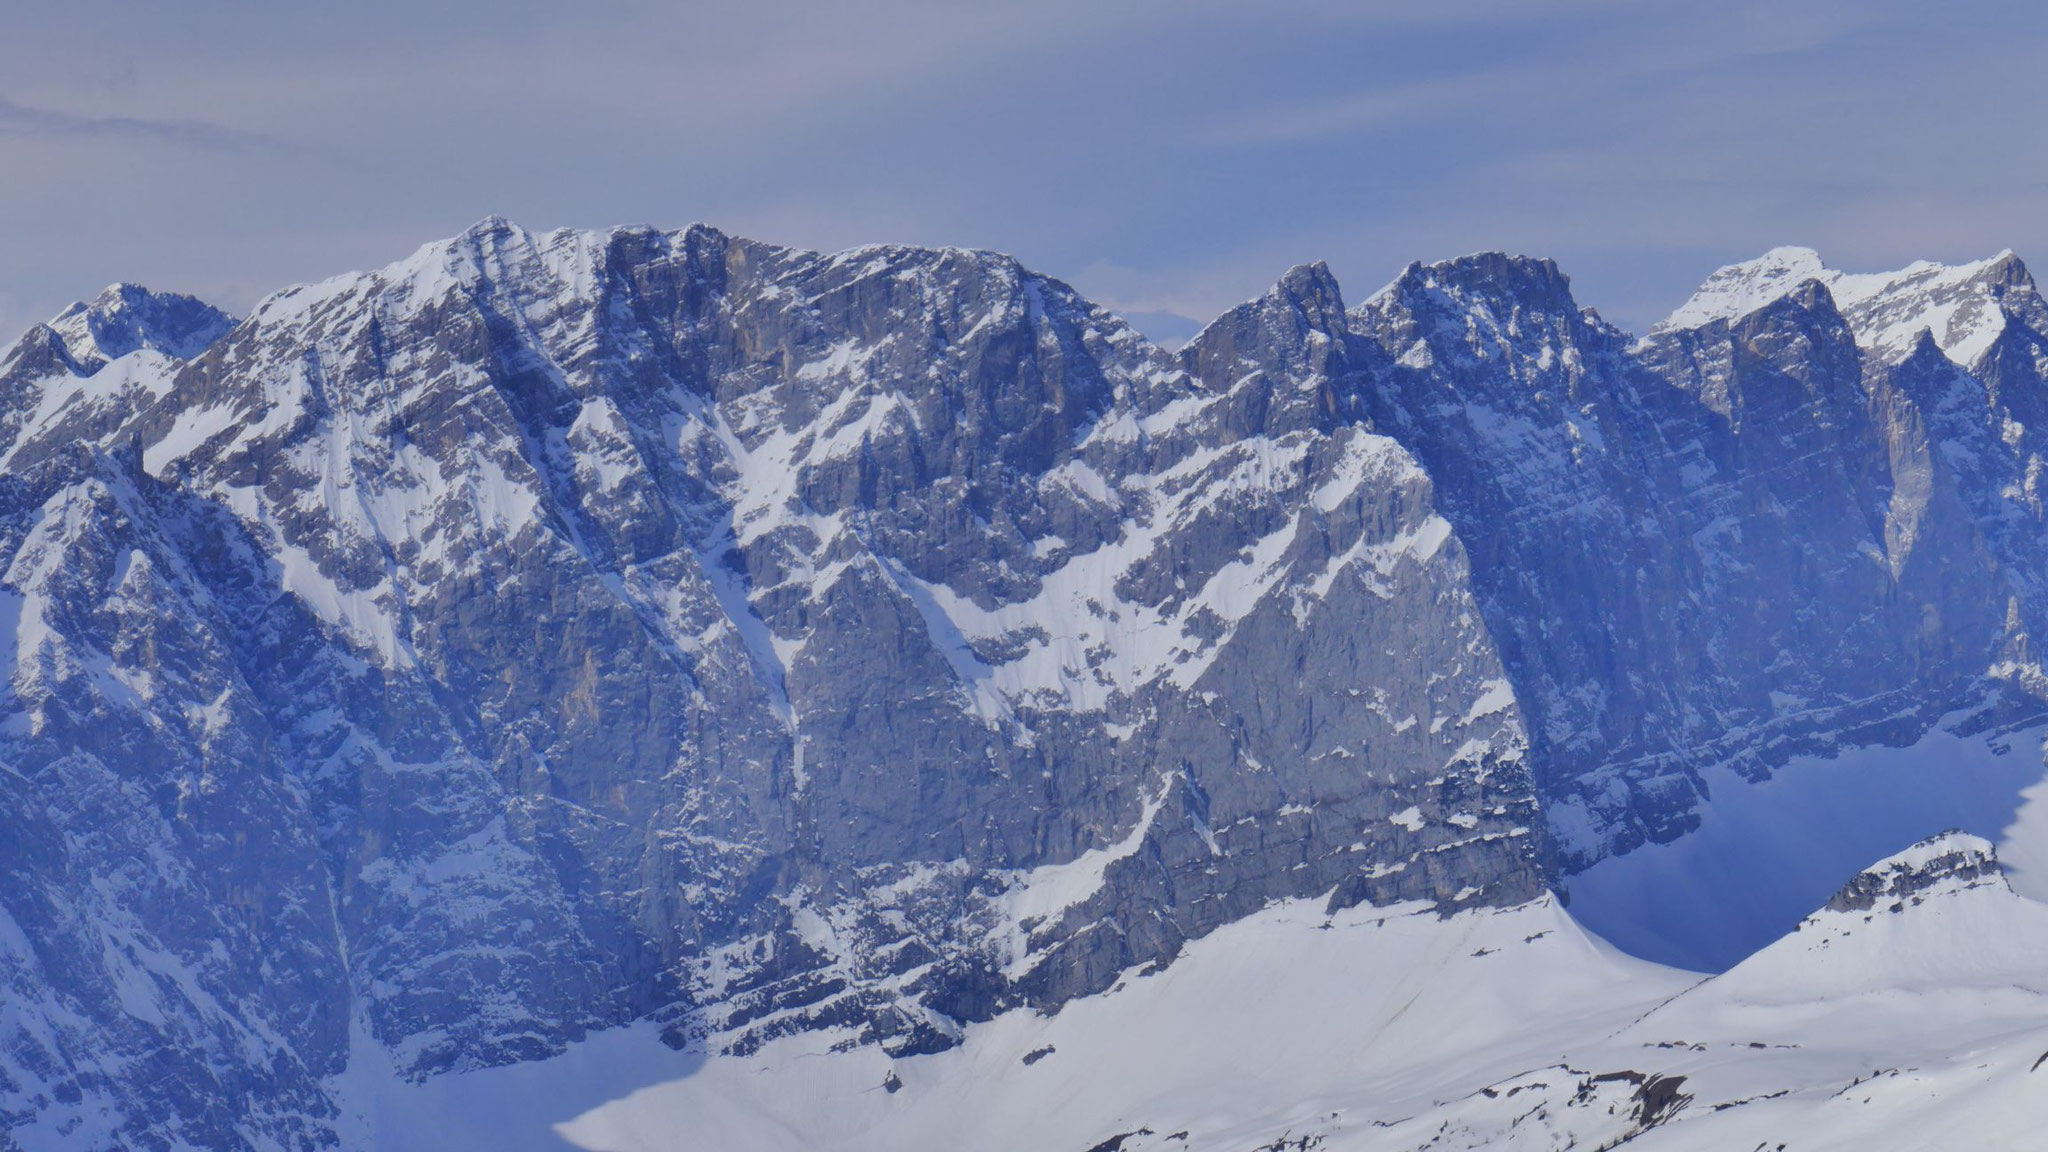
<point x="26" y="120"/>
<point x="1355" y="113"/>
<point x="1165" y="155"/>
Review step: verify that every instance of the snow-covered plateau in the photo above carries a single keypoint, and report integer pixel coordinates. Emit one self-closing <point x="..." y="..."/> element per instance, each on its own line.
<point x="652" y="689"/>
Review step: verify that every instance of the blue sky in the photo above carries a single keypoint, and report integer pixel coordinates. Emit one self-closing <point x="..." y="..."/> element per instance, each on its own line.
<point x="1162" y="155"/>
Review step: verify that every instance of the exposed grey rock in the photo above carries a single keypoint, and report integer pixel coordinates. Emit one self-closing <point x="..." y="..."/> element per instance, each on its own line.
<point x="1950" y="861"/>
<point x="548" y="632"/>
<point x="1733" y="541"/>
<point x="128" y="317"/>
<point x="611" y="625"/>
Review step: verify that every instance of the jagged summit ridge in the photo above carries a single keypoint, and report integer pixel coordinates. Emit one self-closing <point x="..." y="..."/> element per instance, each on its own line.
<point x="611" y="625"/>
<point x="128" y="317"/>
<point x="1527" y="278"/>
<point x="1964" y="306"/>
<point x="588" y="627"/>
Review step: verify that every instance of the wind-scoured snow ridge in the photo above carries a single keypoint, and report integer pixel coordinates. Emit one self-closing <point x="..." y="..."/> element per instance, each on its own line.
<point x="1934" y="919"/>
<point x="1953" y="859"/>
<point x="661" y="633"/>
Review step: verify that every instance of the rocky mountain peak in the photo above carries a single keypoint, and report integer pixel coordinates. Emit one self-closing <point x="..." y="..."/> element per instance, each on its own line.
<point x="491" y="227"/>
<point x="2006" y="272"/>
<point x="1964" y="305"/>
<point x="1492" y="329"/>
<point x="1739" y="289"/>
<point x="1949" y="862"/>
<point x="1305" y="305"/>
<point x="1803" y="323"/>
<point x="1499" y="280"/>
<point x="1313" y="288"/>
<point x="128" y="317"/>
<point x="39" y="353"/>
<point x="1925" y="354"/>
<point x="1281" y="359"/>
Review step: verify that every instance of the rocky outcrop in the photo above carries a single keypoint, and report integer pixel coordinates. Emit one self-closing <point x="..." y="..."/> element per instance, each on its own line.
<point x="1950" y="861"/>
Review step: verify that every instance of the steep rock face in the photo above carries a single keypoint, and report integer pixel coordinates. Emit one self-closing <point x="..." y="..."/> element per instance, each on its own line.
<point x="1943" y="490"/>
<point x="167" y="942"/>
<point x="1828" y="492"/>
<point x="550" y="631"/>
<point x="547" y="632"/>
<point x="1759" y="530"/>
<point x="1563" y="466"/>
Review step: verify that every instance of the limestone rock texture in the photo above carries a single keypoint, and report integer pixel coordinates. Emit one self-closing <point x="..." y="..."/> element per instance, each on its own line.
<point x="553" y="631"/>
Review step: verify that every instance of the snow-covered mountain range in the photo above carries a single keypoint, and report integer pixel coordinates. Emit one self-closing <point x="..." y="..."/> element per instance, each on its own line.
<point x="459" y="694"/>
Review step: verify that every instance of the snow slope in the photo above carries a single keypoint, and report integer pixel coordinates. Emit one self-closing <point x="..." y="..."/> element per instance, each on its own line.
<point x="1911" y="1013"/>
<point x="1917" y="1022"/>
<point x="1357" y="1017"/>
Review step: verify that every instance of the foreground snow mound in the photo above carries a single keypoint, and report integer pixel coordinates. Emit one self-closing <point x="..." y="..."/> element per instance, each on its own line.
<point x="1910" y="1012"/>
<point x="1936" y="919"/>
